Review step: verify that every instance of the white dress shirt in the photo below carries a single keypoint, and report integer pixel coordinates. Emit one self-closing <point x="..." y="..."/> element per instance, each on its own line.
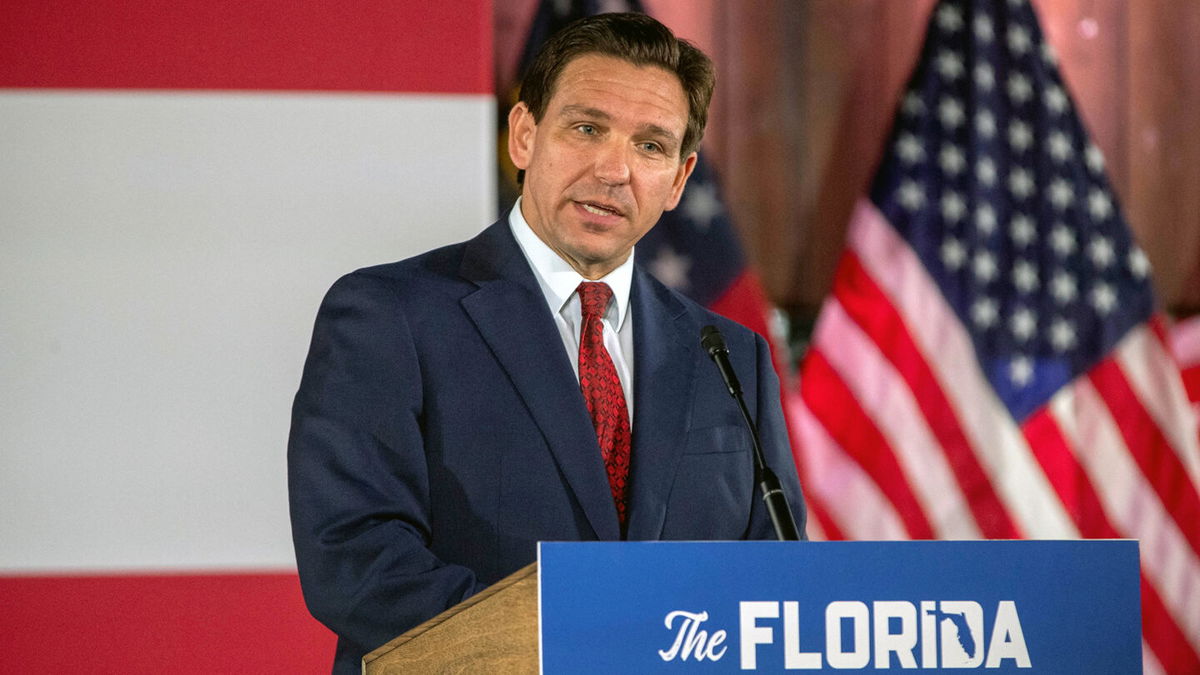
<point x="558" y="281"/>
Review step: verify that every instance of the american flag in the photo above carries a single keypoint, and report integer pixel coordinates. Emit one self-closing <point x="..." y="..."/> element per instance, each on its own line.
<point x="990" y="364"/>
<point x="694" y="248"/>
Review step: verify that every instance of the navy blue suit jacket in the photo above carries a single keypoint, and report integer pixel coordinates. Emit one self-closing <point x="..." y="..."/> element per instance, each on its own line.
<point x="439" y="433"/>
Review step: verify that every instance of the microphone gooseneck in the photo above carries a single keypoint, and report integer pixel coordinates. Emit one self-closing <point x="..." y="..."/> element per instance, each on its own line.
<point x="772" y="491"/>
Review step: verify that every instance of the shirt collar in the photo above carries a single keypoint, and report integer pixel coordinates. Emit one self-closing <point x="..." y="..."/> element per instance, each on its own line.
<point x="557" y="278"/>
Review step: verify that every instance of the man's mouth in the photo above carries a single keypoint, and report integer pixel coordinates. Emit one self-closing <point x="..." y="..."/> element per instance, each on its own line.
<point x="598" y="209"/>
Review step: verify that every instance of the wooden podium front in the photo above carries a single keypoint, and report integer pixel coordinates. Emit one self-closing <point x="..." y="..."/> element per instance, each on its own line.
<point x="495" y="631"/>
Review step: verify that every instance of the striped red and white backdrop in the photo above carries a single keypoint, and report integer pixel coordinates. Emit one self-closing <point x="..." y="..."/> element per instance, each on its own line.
<point x="179" y="184"/>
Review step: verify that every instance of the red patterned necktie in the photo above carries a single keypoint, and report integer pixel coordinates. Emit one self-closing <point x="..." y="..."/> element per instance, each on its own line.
<point x="602" y="391"/>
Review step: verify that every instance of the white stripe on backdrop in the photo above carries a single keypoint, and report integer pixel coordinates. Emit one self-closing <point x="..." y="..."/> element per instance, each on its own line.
<point x="162" y="256"/>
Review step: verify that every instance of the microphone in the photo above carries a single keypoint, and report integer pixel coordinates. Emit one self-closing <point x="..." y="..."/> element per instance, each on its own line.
<point x="772" y="491"/>
<point x="714" y="343"/>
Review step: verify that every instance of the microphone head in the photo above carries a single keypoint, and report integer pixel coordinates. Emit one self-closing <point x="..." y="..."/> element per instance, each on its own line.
<point x="712" y="341"/>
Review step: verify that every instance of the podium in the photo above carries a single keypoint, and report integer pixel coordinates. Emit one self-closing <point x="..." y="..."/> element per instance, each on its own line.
<point x="494" y="631"/>
<point x="604" y="607"/>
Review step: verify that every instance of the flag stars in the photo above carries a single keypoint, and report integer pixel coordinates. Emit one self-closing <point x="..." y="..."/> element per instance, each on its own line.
<point x="701" y="204"/>
<point x="1100" y="250"/>
<point x="1020" y="371"/>
<point x="1062" y="335"/>
<point x="1022" y="230"/>
<point x="1020" y="183"/>
<point x="951" y="159"/>
<point x="984" y="266"/>
<point x="1064" y="288"/>
<point x="1019" y="88"/>
<point x="950" y="112"/>
<point x="985" y="77"/>
<point x="949" y="18"/>
<point x="954" y="254"/>
<point x="1049" y="56"/>
<point x="909" y="148"/>
<point x="953" y="206"/>
<point x="671" y="268"/>
<point x="985" y="171"/>
<point x="1138" y="263"/>
<point x="1062" y="240"/>
<point x="982" y="26"/>
<point x="985" y="124"/>
<point x="1059" y="146"/>
<point x="1018" y="40"/>
<point x="910" y="195"/>
<point x="1055" y="99"/>
<point x="1099" y="204"/>
<point x="985" y="220"/>
<point x="1103" y="298"/>
<point x="1025" y="276"/>
<point x="913" y="106"/>
<point x="1023" y="324"/>
<point x="1062" y="195"/>
<point x="949" y="64"/>
<point x="1020" y="136"/>
<point x="1094" y="159"/>
<point x="984" y="313"/>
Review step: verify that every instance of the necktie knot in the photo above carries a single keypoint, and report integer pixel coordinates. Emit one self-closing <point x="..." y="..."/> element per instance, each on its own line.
<point x="594" y="297"/>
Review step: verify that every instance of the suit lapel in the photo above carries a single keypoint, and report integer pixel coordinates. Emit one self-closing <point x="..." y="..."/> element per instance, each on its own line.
<point x="511" y="314"/>
<point x="663" y="378"/>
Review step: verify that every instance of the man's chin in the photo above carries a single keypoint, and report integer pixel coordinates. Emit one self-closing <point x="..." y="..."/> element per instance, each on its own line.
<point x="584" y="257"/>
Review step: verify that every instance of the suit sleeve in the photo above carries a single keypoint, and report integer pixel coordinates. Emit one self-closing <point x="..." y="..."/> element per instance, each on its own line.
<point x="357" y="476"/>
<point x="777" y="449"/>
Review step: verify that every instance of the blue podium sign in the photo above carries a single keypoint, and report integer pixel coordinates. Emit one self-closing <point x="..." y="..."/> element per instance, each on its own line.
<point x="997" y="606"/>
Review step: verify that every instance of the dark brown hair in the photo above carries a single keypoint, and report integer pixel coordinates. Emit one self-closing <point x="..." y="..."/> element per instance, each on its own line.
<point x="632" y="37"/>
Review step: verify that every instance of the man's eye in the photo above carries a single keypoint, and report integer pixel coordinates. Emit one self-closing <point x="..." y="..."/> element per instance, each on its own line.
<point x="651" y="147"/>
<point x="586" y="129"/>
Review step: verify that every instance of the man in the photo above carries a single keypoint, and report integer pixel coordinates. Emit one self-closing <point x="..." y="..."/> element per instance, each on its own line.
<point x="458" y="407"/>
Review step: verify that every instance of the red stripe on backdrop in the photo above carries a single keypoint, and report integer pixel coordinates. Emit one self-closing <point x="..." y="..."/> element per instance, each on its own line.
<point x="855" y="431"/>
<point x="179" y="623"/>
<point x="378" y="45"/>
<point x="872" y="310"/>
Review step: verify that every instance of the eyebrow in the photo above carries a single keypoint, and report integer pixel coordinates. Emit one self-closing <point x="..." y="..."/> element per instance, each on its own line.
<point x="598" y="114"/>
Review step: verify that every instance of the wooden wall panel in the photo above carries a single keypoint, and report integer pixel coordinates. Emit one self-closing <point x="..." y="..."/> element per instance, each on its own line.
<point x="1164" y="144"/>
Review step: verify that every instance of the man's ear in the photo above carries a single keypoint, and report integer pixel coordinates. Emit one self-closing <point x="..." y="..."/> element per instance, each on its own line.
<point x="521" y="128"/>
<point x="685" y="169"/>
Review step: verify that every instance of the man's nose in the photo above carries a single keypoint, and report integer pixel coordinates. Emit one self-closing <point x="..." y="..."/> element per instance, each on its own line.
<point x="612" y="164"/>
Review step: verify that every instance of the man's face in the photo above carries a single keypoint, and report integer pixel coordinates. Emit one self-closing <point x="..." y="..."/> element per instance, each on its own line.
<point x="603" y="164"/>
